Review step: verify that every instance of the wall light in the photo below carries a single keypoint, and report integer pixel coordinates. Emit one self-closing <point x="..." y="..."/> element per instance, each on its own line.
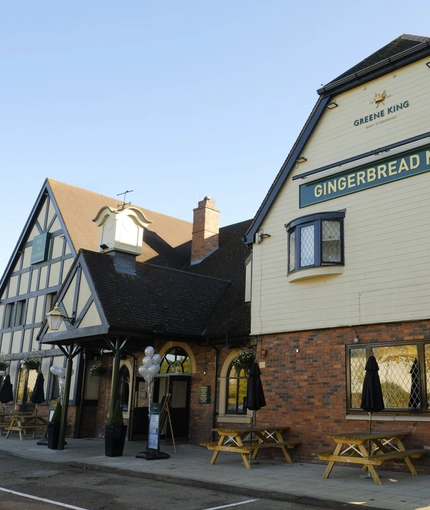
<point x="260" y="236"/>
<point x="301" y="159"/>
<point x="55" y="317"/>
<point x="104" y="246"/>
<point x="332" y="105"/>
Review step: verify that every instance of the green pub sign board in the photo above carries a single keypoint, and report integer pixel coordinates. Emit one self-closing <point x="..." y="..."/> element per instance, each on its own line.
<point x="39" y="251"/>
<point x="365" y="177"/>
<point x="204" y="394"/>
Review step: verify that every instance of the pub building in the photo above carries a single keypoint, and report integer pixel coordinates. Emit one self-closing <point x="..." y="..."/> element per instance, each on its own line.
<point x="341" y="257"/>
<point x="333" y="268"/>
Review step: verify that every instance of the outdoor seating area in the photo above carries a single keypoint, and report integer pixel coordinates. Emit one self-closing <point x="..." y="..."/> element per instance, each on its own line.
<point x="21" y="422"/>
<point x="248" y="441"/>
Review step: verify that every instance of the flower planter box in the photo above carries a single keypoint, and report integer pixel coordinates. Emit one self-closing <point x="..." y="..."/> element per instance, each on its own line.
<point x="53" y="435"/>
<point x="115" y="440"/>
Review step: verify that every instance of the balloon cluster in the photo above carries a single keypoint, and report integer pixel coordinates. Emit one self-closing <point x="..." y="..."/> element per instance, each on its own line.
<point x="149" y="369"/>
<point x="150" y="365"/>
<point x="60" y="372"/>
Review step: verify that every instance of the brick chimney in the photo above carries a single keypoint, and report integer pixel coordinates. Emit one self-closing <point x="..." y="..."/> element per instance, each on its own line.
<point x="205" y="230"/>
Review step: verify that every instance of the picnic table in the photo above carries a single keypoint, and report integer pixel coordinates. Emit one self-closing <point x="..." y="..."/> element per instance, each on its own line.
<point x="4" y="421"/>
<point x="370" y="449"/>
<point x="25" y="421"/>
<point x="248" y="441"/>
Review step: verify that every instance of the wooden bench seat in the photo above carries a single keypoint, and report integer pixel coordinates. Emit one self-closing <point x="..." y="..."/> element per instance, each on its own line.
<point x="250" y="447"/>
<point x="21" y="429"/>
<point x="376" y="460"/>
<point x="415" y="454"/>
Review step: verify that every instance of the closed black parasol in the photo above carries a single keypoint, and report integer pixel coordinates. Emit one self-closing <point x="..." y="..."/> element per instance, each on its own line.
<point x="372" y="400"/>
<point x="415" y="396"/>
<point x="254" y="392"/>
<point x="38" y="395"/>
<point x="6" y="391"/>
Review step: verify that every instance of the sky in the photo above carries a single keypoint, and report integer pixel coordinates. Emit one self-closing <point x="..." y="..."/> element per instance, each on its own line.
<point x="172" y="99"/>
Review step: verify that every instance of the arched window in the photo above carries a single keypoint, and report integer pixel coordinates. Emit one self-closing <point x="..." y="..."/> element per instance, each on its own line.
<point x="175" y="361"/>
<point x="124" y="378"/>
<point x="236" y="390"/>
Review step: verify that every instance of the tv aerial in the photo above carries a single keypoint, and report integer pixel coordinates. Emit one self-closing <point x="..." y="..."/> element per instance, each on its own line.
<point x="125" y="194"/>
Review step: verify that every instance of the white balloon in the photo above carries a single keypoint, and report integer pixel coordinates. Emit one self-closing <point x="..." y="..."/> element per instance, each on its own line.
<point x="54" y="369"/>
<point x="149" y="351"/>
<point x="156" y="359"/>
<point x="143" y="371"/>
<point x="147" y="361"/>
<point x="61" y="372"/>
<point x="153" y="370"/>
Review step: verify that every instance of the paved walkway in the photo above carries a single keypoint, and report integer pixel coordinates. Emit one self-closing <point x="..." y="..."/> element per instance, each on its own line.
<point x="347" y="487"/>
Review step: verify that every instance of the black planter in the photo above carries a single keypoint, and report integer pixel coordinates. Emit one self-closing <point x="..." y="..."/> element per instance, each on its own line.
<point x="53" y="434"/>
<point x="115" y="440"/>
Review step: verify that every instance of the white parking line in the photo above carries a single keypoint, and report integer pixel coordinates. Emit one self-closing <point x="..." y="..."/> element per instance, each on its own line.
<point x="232" y="504"/>
<point x="41" y="499"/>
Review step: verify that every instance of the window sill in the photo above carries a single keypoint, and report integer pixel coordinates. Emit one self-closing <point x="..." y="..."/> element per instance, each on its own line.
<point x="314" y="272"/>
<point x="389" y="417"/>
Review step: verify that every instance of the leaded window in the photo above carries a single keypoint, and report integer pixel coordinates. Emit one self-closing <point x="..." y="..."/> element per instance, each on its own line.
<point x="404" y="372"/>
<point x="237" y="380"/>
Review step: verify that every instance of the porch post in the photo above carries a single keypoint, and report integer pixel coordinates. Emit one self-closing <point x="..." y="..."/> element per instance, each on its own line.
<point x="70" y="352"/>
<point x="117" y="347"/>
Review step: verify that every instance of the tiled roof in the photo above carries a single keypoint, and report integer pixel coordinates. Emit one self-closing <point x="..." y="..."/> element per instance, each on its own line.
<point x="167" y="240"/>
<point x="173" y="302"/>
<point x="386" y="55"/>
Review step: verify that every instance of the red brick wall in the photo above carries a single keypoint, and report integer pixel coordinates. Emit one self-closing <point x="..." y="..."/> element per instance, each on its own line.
<point x="305" y="390"/>
<point x="305" y="386"/>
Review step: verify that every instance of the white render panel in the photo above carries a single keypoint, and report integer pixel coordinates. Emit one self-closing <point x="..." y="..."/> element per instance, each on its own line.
<point x="387" y="228"/>
<point x="336" y="137"/>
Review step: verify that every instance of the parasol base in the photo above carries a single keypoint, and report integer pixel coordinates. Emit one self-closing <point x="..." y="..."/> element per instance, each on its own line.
<point x="367" y="476"/>
<point x="152" y="455"/>
<point x="44" y="442"/>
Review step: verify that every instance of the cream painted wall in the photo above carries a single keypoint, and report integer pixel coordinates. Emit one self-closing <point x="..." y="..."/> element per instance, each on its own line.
<point x="30" y="283"/>
<point x="387" y="244"/>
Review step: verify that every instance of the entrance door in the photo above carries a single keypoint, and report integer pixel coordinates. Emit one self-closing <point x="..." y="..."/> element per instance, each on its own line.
<point x="139" y="413"/>
<point x="179" y="387"/>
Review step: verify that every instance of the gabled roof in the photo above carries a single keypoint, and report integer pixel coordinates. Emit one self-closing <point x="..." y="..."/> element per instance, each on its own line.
<point x="402" y="51"/>
<point x="167" y="240"/>
<point x="205" y="301"/>
<point x="398" y="53"/>
<point x="154" y="300"/>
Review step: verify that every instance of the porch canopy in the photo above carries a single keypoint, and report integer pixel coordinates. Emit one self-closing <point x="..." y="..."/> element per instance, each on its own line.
<point x="104" y="307"/>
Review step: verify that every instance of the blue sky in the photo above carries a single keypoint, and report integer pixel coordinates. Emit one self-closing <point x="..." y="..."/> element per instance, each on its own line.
<point x="175" y="99"/>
